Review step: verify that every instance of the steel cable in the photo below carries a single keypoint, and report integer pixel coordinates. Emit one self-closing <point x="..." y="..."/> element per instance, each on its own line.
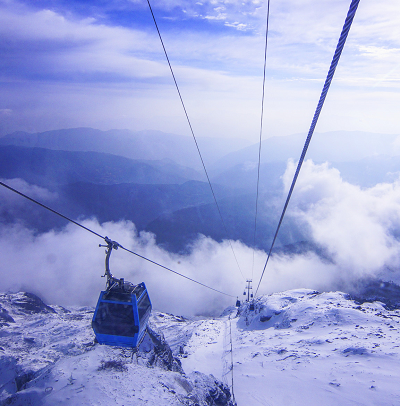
<point x="339" y="48"/>
<point x="194" y="137"/>
<point x="261" y="130"/>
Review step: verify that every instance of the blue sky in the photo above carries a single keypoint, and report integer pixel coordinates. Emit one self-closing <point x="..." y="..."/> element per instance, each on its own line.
<point x="100" y="64"/>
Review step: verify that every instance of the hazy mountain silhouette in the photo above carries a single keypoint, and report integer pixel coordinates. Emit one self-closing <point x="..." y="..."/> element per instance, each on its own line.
<point x="47" y="168"/>
<point x="145" y="145"/>
<point x="176" y="231"/>
<point x="169" y="199"/>
<point x="336" y="146"/>
<point x="138" y="203"/>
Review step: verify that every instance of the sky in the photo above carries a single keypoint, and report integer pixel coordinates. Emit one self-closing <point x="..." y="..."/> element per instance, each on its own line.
<point x="100" y="64"/>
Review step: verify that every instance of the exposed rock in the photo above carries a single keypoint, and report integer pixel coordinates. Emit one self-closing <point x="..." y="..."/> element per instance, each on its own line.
<point x="211" y="391"/>
<point x="28" y="303"/>
<point x="372" y="290"/>
<point x="157" y="352"/>
<point x="22" y="379"/>
<point x="5" y="317"/>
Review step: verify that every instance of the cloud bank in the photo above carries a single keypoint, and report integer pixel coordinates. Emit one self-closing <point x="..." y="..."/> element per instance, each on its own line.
<point x="357" y="228"/>
<point x="65" y="267"/>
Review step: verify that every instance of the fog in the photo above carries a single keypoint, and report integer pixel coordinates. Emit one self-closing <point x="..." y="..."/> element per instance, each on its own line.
<point x="356" y="228"/>
<point x="65" y="267"/>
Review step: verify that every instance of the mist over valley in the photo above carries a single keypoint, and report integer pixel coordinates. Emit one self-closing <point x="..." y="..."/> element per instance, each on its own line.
<point x="342" y="225"/>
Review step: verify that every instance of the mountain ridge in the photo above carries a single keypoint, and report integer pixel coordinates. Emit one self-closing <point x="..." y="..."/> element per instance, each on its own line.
<point x="46" y="167"/>
<point x="298" y="347"/>
<point x="146" y="144"/>
<point x="49" y="357"/>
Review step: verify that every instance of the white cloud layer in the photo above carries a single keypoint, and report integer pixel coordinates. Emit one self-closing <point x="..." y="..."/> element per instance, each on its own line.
<point x="358" y="228"/>
<point x="66" y="267"/>
<point x="35" y="192"/>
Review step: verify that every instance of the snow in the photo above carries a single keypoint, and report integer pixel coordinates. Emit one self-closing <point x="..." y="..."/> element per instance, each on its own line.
<point x="301" y="347"/>
<point x="298" y="347"/>
<point x="317" y="349"/>
<point x="48" y="357"/>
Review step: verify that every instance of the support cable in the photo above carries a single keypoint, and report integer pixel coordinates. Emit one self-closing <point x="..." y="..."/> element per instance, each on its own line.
<point x="107" y="239"/>
<point x="194" y="137"/>
<point x="53" y="211"/>
<point x="261" y="130"/>
<point x="175" y="272"/>
<point x="230" y="336"/>
<point x="339" y="48"/>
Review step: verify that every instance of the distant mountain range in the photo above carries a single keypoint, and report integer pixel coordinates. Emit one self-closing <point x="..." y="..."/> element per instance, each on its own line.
<point x="49" y="168"/>
<point x="154" y="179"/>
<point x="335" y="146"/>
<point x="138" y="145"/>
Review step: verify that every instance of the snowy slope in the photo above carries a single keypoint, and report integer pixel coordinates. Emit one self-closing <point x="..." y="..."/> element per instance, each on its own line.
<point x="299" y="347"/>
<point x="48" y="357"/>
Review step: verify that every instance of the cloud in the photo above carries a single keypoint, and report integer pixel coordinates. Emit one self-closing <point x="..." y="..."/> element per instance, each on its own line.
<point x="61" y="48"/>
<point x="5" y="112"/>
<point x="236" y="14"/>
<point x="65" y="267"/>
<point x="65" y="68"/>
<point x="8" y="198"/>
<point x="358" y="229"/>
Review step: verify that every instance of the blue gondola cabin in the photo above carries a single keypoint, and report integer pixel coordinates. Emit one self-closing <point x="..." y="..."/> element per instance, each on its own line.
<point x="121" y="315"/>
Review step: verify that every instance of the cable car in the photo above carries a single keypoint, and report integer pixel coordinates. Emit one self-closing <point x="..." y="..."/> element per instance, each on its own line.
<point x="237" y="302"/>
<point x="122" y="311"/>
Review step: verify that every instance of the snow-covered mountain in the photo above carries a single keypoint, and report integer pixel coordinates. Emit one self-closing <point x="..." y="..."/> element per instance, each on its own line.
<point x="48" y="357"/>
<point x="298" y="347"/>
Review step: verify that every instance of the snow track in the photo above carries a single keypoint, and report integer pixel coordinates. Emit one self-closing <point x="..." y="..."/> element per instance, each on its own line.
<point x="205" y="349"/>
<point x="226" y="355"/>
<point x="203" y="345"/>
